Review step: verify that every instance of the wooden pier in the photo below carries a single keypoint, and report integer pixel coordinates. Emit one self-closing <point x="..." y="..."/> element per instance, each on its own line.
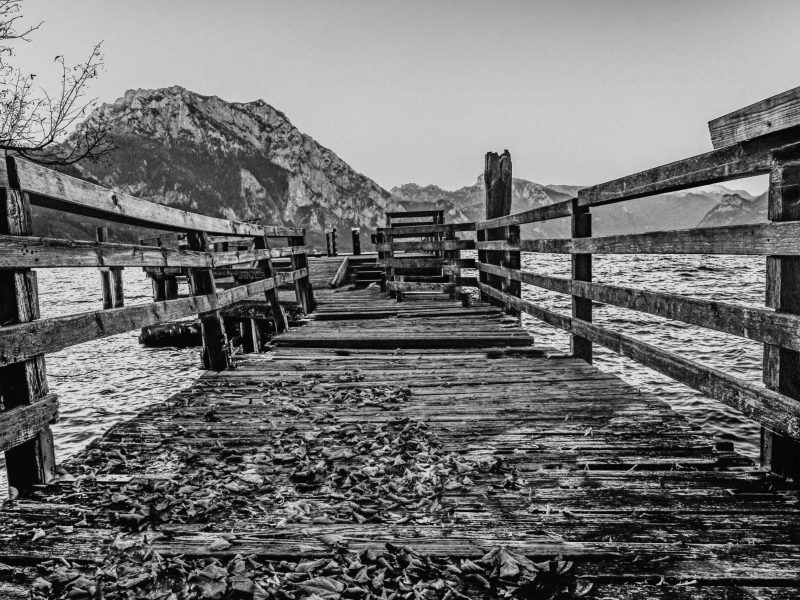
<point x="409" y="439"/>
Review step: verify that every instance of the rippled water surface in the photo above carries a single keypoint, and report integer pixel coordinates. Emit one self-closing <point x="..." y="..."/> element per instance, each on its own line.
<point x="103" y="382"/>
<point x="734" y="279"/>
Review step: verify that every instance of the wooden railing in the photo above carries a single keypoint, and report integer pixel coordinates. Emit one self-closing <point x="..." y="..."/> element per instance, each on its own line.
<point x="204" y="253"/>
<point x="772" y="148"/>
<point x="420" y="253"/>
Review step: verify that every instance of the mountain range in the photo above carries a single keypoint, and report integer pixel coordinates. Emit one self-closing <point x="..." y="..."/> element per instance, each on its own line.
<point x="247" y="161"/>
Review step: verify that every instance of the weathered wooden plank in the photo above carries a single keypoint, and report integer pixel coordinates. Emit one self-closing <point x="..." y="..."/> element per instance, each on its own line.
<point x="581" y="224"/>
<point x="52" y="189"/>
<point x="19" y="342"/>
<point x="432" y="262"/>
<point x="557" y="210"/>
<point x="24" y="423"/>
<point x="761" y="238"/>
<point x="760" y="118"/>
<point x="341" y="273"/>
<point x="763" y="325"/>
<point x="418" y="285"/>
<point x="434" y="246"/>
<point x="414" y="213"/>
<point x="401" y="230"/>
<point x="743" y="159"/>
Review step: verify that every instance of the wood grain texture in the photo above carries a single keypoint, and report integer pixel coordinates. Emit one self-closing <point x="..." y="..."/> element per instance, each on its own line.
<point x="763" y="325"/>
<point x="758" y="239"/>
<point x="742" y="159"/>
<point x="52" y="189"/>
<point x="557" y="210"/>
<point x="760" y="118"/>
<point x="24" y="423"/>
<point x="22" y="341"/>
<point x="425" y="246"/>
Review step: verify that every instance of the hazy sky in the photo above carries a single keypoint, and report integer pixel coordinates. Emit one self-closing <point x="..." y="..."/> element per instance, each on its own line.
<point x="579" y="91"/>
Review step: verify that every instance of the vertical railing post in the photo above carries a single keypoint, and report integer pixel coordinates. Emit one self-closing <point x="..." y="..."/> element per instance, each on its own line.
<point x="328" y="247"/>
<point x="356" y="233"/>
<point x="110" y="278"/>
<point x="333" y="242"/>
<point x="380" y="238"/>
<point x="215" y="351"/>
<point x="512" y="259"/>
<point x="101" y="235"/>
<point x="302" y="287"/>
<point x="782" y="366"/>
<point x="581" y="271"/>
<point x="32" y="462"/>
<point x="497" y="177"/>
<point x="278" y="315"/>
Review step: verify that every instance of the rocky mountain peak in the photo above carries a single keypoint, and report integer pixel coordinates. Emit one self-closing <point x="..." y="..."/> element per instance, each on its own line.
<point x="239" y="160"/>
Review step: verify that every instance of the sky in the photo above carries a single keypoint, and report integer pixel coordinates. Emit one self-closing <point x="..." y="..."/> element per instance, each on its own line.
<point x="579" y="91"/>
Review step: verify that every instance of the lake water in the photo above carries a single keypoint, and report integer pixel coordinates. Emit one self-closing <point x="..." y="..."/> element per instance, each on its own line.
<point x="103" y="382"/>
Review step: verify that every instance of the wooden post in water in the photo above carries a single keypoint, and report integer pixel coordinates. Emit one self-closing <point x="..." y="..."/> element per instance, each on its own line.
<point x="581" y="271"/>
<point x="215" y="351"/>
<point x="782" y="366"/>
<point x="278" y="315"/>
<point x="23" y="383"/>
<point x="333" y="242"/>
<point x="497" y="177"/>
<point x="328" y="243"/>
<point x="356" y="232"/>
<point x="101" y="235"/>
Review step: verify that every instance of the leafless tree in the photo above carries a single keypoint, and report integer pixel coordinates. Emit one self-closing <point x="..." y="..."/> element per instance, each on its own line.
<point x="34" y="121"/>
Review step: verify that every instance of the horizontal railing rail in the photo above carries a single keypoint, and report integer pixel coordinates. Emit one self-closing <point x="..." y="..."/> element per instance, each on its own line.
<point x="776" y="405"/>
<point x="224" y="262"/>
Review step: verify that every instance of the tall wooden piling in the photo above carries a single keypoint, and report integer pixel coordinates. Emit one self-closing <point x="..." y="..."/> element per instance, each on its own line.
<point x="278" y="315"/>
<point x="356" y="233"/>
<point x="497" y="177"/>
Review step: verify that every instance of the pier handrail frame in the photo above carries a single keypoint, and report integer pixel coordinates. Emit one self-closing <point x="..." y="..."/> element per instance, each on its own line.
<point x="27" y="408"/>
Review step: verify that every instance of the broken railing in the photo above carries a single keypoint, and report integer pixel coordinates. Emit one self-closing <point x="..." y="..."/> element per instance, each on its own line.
<point x="760" y="139"/>
<point x="26" y="406"/>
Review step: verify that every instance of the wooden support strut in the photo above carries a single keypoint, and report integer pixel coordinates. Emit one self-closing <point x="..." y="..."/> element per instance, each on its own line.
<point x="24" y="383"/>
<point x="781" y="365"/>
<point x="581" y="271"/>
<point x="215" y="348"/>
<point x="278" y="315"/>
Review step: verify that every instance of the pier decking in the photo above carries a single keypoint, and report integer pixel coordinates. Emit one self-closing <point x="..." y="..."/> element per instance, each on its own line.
<point x="544" y="455"/>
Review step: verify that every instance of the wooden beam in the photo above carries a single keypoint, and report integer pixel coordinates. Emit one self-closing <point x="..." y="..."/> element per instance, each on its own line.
<point x="762" y="325"/>
<point x="743" y="159"/>
<point x="24" y="423"/>
<point x="341" y="273"/>
<point x="425" y="230"/>
<point x="435" y="246"/>
<point x="105" y="275"/>
<point x="52" y="189"/>
<point x="25" y="340"/>
<point x="760" y="118"/>
<point x="558" y="210"/>
<point x="431" y="262"/>
<point x="776" y="411"/>
<point x="758" y="239"/>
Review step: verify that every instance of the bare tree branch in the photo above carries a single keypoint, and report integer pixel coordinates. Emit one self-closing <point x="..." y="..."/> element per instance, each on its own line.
<point x="34" y="122"/>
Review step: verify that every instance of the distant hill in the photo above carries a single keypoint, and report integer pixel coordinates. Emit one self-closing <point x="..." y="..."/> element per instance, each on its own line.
<point x="736" y="209"/>
<point x="227" y="159"/>
<point x="676" y="210"/>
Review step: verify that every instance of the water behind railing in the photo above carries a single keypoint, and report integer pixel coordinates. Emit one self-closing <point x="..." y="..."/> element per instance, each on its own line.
<point x="105" y="381"/>
<point x="733" y="279"/>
